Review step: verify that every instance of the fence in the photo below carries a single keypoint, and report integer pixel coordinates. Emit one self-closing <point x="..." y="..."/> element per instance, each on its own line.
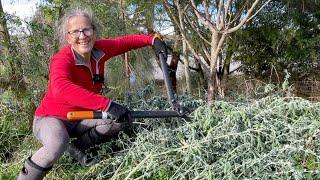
<point x="309" y="89"/>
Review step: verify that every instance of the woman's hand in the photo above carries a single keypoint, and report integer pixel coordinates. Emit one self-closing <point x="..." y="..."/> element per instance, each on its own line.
<point x="118" y="113"/>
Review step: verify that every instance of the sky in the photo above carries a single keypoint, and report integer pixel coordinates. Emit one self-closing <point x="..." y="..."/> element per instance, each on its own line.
<point x="22" y="8"/>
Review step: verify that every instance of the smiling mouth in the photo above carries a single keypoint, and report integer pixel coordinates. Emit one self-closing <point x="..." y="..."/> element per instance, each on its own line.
<point x="83" y="43"/>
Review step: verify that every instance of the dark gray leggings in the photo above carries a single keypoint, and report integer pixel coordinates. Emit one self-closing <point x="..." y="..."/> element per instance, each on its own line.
<point x="54" y="134"/>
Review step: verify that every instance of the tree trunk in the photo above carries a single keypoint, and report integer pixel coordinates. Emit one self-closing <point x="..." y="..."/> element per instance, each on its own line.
<point x="126" y="70"/>
<point x="4" y="34"/>
<point x="211" y="89"/>
<point x="220" y="77"/>
<point x="201" y="79"/>
<point x="213" y="68"/>
<point x="186" y="67"/>
<point x="226" y="70"/>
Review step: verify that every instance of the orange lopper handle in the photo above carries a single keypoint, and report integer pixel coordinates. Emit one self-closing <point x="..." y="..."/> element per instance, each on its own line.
<point x="80" y="115"/>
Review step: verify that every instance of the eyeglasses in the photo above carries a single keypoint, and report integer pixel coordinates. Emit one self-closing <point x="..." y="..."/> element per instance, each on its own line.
<point x="86" y="31"/>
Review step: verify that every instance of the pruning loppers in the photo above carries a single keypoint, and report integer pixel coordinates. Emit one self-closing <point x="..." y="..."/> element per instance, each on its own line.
<point x="178" y="110"/>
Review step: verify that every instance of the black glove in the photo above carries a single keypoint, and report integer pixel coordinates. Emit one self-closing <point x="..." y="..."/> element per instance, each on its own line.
<point x="160" y="47"/>
<point x="118" y="113"/>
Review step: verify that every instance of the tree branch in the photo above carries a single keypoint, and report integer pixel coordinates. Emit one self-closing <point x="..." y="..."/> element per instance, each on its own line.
<point x="244" y="20"/>
<point x="204" y="21"/>
<point x="258" y="10"/>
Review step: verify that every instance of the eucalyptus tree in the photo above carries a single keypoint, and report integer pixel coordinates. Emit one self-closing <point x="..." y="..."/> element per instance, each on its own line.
<point x="205" y="26"/>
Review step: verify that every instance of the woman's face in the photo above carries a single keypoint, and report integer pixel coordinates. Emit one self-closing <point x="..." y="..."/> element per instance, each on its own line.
<point x="81" y="35"/>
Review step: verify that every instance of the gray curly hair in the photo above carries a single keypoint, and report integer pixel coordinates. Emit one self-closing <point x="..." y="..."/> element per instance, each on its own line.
<point x="69" y="13"/>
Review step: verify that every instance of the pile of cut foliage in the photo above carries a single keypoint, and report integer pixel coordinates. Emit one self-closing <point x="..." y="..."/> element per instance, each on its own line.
<point x="269" y="138"/>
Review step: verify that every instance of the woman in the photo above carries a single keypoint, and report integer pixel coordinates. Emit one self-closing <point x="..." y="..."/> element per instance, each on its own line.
<point x="75" y="83"/>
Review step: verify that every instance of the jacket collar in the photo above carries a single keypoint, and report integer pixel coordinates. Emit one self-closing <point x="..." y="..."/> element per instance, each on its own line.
<point x="96" y="54"/>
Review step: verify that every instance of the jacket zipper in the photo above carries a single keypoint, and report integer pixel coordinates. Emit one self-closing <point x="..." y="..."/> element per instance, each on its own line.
<point x="89" y="68"/>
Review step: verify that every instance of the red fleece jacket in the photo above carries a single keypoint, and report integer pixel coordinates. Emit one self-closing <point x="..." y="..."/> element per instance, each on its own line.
<point x="70" y="86"/>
